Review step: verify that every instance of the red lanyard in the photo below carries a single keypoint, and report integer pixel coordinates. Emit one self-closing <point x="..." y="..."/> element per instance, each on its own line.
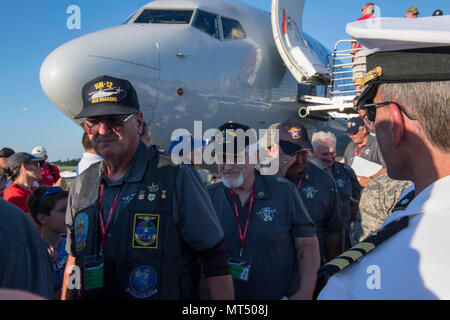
<point x="242" y="236"/>
<point x="104" y="229"/>
<point x="369" y="124"/>
<point x="299" y="183"/>
<point x="356" y="151"/>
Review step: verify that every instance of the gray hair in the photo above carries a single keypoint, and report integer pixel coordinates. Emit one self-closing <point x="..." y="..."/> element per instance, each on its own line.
<point x="319" y="138"/>
<point x="429" y="103"/>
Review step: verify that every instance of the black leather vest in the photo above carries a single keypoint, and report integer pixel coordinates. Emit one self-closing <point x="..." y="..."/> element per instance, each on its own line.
<point x="146" y="257"/>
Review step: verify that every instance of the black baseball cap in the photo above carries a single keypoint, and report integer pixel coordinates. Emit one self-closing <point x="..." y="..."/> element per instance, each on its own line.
<point x="227" y="140"/>
<point x="354" y="125"/>
<point x="6" y="152"/>
<point x="107" y="95"/>
<point x="18" y="158"/>
<point x="293" y="137"/>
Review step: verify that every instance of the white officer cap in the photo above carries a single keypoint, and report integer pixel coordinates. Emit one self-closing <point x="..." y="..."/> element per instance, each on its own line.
<point x="402" y="50"/>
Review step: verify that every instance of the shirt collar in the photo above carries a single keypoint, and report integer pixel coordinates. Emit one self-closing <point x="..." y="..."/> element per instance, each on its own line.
<point x="433" y="198"/>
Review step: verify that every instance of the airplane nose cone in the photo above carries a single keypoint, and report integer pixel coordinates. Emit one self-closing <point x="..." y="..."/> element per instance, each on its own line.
<point x="128" y="52"/>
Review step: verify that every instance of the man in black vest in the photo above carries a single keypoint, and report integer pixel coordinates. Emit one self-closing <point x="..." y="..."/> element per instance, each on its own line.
<point x="136" y="229"/>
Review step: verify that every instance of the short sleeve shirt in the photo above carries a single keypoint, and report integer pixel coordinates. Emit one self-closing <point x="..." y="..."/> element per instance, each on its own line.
<point x="17" y="195"/>
<point x="320" y="196"/>
<point x="278" y="216"/>
<point x="59" y="264"/>
<point x="371" y="151"/>
<point x="49" y="175"/>
<point x="348" y="186"/>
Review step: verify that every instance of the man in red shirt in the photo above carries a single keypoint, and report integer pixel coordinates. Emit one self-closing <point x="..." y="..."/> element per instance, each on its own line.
<point x="49" y="172"/>
<point x="358" y="56"/>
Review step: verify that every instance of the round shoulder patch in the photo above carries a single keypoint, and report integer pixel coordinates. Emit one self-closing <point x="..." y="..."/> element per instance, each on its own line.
<point x="142" y="282"/>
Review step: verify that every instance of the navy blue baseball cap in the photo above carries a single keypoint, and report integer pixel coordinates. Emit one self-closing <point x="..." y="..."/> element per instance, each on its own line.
<point x="354" y="125"/>
<point x="293" y="137"/>
<point x="227" y="139"/>
<point x="107" y="95"/>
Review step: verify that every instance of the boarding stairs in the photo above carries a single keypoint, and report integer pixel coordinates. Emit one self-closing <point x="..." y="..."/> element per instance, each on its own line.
<point x="338" y="102"/>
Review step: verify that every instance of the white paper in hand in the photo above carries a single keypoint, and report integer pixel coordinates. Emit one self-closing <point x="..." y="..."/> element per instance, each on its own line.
<point x="365" y="168"/>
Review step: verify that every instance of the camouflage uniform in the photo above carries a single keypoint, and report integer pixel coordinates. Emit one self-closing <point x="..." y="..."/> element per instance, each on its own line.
<point x="377" y="201"/>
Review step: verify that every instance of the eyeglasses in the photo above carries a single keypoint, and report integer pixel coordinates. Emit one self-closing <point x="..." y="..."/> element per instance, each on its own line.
<point x="51" y="190"/>
<point x="114" y="122"/>
<point x="371" y="109"/>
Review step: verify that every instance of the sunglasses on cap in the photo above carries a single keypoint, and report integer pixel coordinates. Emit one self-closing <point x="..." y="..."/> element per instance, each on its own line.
<point x="112" y="122"/>
<point x="51" y="190"/>
<point x="371" y="109"/>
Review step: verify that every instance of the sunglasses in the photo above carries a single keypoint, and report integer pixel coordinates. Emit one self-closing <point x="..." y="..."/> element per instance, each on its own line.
<point x="115" y="123"/>
<point x="371" y="109"/>
<point x="51" y="190"/>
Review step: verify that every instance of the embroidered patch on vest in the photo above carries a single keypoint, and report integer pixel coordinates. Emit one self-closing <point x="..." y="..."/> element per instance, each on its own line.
<point x="145" y="231"/>
<point x="81" y="230"/>
<point x="142" y="282"/>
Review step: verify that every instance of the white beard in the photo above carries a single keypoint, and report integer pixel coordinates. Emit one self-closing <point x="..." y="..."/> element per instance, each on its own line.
<point x="233" y="183"/>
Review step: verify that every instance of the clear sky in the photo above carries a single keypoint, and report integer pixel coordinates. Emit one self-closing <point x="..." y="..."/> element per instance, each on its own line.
<point x="31" y="29"/>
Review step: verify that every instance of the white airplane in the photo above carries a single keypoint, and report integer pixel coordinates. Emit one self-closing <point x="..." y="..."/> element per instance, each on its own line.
<point x="200" y="60"/>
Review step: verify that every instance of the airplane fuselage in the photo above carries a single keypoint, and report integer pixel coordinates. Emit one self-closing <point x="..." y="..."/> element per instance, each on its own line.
<point x="182" y="73"/>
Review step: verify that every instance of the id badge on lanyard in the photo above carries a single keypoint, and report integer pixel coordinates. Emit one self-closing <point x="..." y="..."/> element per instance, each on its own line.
<point x="93" y="272"/>
<point x="240" y="266"/>
<point x="94" y="265"/>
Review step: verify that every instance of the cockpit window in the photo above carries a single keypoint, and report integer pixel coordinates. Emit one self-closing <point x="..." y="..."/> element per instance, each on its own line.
<point x="232" y="29"/>
<point x="165" y="16"/>
<point x="129" y="18"/>
<point x="207" y="22"/>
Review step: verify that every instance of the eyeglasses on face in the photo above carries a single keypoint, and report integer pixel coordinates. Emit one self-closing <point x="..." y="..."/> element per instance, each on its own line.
<point x="371" y="109"/>
<point x="113" y="122"/>
<point x="51" y="190"/>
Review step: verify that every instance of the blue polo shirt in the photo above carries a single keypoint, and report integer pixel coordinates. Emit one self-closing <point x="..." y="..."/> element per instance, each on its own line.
<point x="320" y="196"/>
<point x="278" y="216"/>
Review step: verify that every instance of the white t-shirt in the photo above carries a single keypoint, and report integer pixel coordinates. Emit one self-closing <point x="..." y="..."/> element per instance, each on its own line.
<point x="412" y="264"/>
<point x="86" y="161"/>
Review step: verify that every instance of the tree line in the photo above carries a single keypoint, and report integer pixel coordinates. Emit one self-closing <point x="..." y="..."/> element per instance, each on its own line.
<point x="66" y="163"/>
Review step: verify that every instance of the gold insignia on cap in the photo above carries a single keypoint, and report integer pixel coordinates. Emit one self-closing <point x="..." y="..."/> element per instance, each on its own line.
<point x="295" y="133"/>
<point x="226" y="136"/>
<point x="260" y="194"/>
<point x="371" y="75"/>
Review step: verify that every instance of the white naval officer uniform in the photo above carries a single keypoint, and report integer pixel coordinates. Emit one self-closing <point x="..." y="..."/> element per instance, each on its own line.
<point x="413" y="264"/>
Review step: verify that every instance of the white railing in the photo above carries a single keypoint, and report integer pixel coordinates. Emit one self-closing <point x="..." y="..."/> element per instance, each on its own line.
<point x="341" y="91"/>
<point x="341" y="83"/>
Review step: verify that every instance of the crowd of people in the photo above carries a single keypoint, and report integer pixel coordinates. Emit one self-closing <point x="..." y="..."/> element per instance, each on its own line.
<point x="136" y="226"/>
